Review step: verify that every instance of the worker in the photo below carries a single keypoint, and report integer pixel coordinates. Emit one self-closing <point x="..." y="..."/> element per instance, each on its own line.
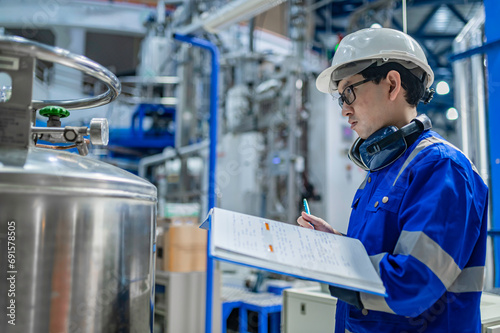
<point x="421" y="211"/>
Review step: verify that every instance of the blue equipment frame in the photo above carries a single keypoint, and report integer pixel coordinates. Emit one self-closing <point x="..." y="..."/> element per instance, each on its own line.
<point x="492" y="32"/>
<point x="214" y="100"/>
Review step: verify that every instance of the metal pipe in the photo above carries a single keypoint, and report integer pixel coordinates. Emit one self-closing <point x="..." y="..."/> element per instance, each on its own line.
<point x="160" y="9"/>
<point x="478" y="79"/>
<point x="150" y="80"/>
<point x="318" y="5"/>
<point x="214" y="84"/>
<point x="47" y="130"/>
<point x="291" y="208"/>
<point x="470" y="93"/>
<point x="405" y="17"/>
<point x="19" y="45"/>
<point x="250" y="35"/>
<point x="461" y="97"/>
<point x="168" y="155"/>
<point x="462" y="102"/>
<point x="170" y="101"/>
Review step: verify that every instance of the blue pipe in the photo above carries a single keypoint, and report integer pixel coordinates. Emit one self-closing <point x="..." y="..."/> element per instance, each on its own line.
<point x="492" y="32"/>
<point x="214" y="84"/>
<point x="476" y="50"/>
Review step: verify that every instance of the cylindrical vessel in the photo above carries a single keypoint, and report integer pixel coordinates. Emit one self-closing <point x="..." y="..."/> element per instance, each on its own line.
<point x="76" y="246"/>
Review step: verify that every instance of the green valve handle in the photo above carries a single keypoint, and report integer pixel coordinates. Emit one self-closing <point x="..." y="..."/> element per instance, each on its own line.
<point x="54" y="111"/>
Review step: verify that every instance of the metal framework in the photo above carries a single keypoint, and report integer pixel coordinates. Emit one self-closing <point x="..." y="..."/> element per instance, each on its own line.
<point x="327" y="11"/>
<point x="331" y="17"/>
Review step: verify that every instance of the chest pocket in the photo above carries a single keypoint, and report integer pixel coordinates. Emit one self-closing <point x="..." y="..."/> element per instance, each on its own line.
<point x="388" y="200"/>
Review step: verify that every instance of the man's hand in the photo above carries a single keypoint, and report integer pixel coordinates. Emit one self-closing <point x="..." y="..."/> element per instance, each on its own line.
<point x="319" y="223"/>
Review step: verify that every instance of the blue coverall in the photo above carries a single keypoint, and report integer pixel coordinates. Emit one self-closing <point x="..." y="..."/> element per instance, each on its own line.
<point x="423" y="222"/>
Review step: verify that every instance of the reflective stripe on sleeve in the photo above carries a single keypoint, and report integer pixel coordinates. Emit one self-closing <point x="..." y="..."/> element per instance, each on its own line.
<point x="470" y="280"/>
<point x="375" y="259"/>
<point x="375" y="302"/>
<point x="420" y="246"/>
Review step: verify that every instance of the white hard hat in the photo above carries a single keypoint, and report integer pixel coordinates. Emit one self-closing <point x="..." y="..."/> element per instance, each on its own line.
<point x="359" y="50"/>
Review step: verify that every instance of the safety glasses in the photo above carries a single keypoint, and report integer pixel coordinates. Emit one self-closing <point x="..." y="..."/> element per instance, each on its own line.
<point x="348" y="96"/>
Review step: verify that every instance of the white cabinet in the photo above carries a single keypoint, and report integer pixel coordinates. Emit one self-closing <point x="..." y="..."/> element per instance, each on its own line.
<point x="182" y="306"/>
<point x="490" y="313"/>
<point x="308" y="310"/>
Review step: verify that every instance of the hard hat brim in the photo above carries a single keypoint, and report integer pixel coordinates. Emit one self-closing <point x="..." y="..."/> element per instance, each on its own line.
<point x="342" y="71"/>
<point x="323" y="81"/>
<point x="325" y="84"/>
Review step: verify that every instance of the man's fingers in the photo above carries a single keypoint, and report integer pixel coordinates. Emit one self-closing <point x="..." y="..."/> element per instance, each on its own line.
<point x="311" y="218"/>
<point x="308" y="217"/>
<point x="304" y="223"/>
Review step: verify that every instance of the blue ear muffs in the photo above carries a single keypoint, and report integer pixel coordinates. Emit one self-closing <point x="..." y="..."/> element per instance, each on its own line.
<point x="386" y="145"/>
<point x="374" y="157"/>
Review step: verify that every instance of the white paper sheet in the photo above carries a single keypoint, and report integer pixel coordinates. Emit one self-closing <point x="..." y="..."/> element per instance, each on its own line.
<point x="304" y="250"/>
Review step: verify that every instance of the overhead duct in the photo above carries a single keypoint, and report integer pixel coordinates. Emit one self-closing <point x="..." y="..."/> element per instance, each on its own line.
<point x="233" y="12"/>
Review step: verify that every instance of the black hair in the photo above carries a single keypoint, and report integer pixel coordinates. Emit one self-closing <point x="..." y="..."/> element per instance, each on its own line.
<point x="413" y="86"/>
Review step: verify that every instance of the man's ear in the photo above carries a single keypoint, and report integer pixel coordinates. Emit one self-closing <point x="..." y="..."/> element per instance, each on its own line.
<point x="393" y="79"/>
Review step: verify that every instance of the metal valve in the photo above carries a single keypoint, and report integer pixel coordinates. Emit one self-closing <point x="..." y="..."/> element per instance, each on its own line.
<point x="54" y="133"/>
<point x="17" y="128"/>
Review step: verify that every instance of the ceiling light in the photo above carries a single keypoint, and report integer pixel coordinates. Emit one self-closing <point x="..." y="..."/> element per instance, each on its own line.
<point x="442" y="88"/>
<point x="452" y="114"/>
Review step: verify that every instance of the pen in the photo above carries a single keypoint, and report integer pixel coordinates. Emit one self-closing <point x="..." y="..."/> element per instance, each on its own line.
<point x="306" y="208"/>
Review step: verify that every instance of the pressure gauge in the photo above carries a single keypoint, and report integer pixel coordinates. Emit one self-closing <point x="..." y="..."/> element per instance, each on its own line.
<point x="99" y="131"/>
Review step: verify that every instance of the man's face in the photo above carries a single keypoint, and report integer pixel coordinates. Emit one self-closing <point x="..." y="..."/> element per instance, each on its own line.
<point x="368" y="112"/>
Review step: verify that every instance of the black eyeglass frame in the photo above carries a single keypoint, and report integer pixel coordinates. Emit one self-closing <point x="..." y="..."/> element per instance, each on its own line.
<point x="342" y="97"/>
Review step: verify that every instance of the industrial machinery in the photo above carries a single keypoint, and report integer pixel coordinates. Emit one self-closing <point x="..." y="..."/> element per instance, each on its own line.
<point x="471" y="93"/>
<point x="77" y="235"/>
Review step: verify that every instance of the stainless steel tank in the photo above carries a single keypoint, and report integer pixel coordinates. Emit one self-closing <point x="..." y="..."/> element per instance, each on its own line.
<point x="76" y="234"/>
<point x="83" y="245"/>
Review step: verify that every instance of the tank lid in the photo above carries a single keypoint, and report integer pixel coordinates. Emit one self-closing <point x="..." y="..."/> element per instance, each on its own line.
<point x="48" y="170"/>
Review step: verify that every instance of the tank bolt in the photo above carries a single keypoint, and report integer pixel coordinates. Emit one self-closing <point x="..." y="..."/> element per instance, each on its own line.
<point x="70" y="135"/>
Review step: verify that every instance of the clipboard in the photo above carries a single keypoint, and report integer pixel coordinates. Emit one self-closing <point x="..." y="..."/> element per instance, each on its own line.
<point x="291" y="250"/>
